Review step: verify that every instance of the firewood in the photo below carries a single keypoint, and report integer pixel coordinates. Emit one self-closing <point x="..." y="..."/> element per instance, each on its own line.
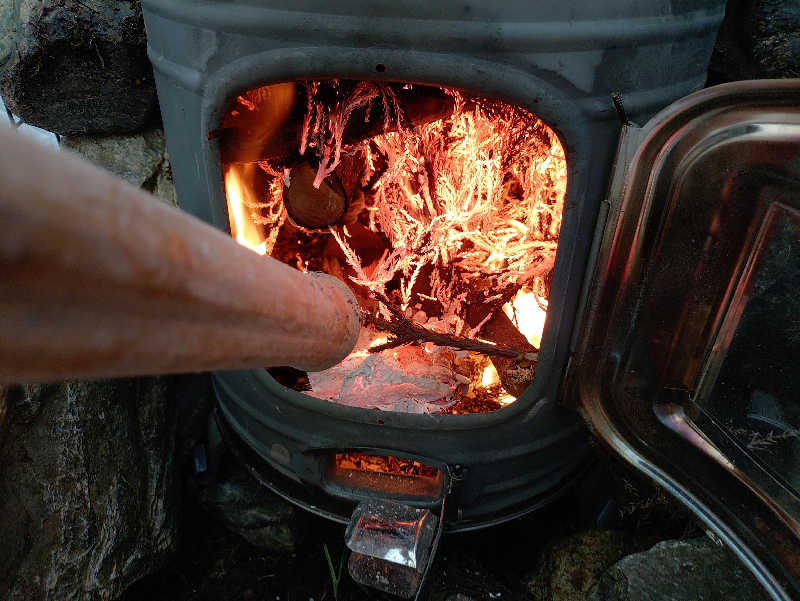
<point x="309" y="207"/>
<point x="408" y="332"/>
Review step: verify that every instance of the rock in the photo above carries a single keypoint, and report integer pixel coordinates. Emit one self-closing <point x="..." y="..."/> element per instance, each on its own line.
<point x="758" y="39"/>
<point x="164" y="187"/>
<point x="4" y="394"/>
<point x="140" y="158"/>
<point x="459" y="597"/>
<point x="696" y="569"/>
<point x="569" y="567"/>
<point x="252" y="511"/>
<point x="76" y="67"/>
<point x="88" y="502"/>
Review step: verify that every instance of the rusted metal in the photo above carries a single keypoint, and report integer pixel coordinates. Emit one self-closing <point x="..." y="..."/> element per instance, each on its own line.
<point x="100" y="278"/>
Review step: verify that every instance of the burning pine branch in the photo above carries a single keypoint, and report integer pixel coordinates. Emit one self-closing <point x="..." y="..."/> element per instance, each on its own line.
<point x="474" y="196"/>
<point x="408" y="332"/>
<point x="446" y="210"/>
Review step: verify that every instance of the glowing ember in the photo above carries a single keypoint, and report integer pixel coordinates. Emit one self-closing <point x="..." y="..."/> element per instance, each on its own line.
<point x="385" y="464"/>
<point x="453" y="212"/>
<point x="386" y="473"/>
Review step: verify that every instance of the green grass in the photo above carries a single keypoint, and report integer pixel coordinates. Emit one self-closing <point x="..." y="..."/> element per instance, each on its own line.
<point x="336" y="575"/>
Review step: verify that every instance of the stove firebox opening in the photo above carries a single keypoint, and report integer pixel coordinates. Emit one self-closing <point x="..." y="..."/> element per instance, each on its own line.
<point x="439" y="209"/>
<point x="394" y="476"/>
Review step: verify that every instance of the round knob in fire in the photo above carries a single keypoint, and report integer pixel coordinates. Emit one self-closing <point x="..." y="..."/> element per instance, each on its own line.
<point x="313" y="208"/>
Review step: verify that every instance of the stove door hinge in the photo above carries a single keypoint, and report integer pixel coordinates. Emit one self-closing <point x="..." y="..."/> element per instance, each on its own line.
<point x="608" y="218"/>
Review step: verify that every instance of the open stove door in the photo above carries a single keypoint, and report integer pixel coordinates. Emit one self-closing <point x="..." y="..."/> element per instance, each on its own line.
<point x="688" y="361"/>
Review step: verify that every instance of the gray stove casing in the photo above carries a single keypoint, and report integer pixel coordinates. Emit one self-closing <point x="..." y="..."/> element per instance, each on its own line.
<point x="562" y="61"/>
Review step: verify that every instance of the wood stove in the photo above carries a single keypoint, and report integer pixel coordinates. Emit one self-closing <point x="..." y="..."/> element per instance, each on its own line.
<point x="576" y="70"/>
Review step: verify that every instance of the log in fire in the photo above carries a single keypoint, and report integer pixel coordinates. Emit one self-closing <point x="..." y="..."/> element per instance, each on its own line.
<point x="440" y="210"/>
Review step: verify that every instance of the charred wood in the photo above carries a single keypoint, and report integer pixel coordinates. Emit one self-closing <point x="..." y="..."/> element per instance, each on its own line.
<point x="309" y="207"/>
<point x="515" y="373"/>
<point x="406" y="331"/>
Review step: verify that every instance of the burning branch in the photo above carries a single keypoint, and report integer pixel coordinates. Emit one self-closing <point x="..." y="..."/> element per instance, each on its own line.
<point x="443" y="215"/>
<point x="362" y="96"/>
<point x="408" y="332"/>
<point x="242" y="140"/>
<point x="473" y="195"/>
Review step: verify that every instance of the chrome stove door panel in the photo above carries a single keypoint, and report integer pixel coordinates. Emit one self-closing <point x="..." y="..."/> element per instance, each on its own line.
<point x="688" y="364"/>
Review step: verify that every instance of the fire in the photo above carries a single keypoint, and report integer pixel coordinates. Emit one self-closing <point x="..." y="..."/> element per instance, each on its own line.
<point x="528" y="313"/>
<point x="453" y="214"/>
<point x="506" y="399"/>
<point x="485" y="206"/>
<point x="379" y="341"/>
<point x="246" y="231"/>
<point x="490" y="377"/>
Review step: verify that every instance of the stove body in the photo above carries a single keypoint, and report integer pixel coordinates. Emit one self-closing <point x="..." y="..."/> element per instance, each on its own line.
<point x="563" y="63"/>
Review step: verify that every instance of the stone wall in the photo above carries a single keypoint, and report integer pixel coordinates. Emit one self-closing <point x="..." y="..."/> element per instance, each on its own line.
<point x="76" y="67"/>
<point x="139" y="158"/>
<point x="88" y="502"/>
<point x="759" y="39"/>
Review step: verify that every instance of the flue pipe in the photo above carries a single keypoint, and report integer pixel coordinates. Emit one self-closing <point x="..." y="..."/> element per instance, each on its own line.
<point x="100" y="279"/>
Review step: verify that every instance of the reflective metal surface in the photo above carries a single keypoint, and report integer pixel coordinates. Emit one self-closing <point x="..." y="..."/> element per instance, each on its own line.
<point x="689" y="368"/>
<point x="392" y="546"/>
<point x="393" y="532"/>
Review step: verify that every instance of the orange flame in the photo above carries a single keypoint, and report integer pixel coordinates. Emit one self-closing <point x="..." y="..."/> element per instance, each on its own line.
<point x="246" y="231"/>
<point x="506" y="399"/>
<point x="379" y="341"/>
<point x="490" y="376"/>
<point x="526" y="311"/>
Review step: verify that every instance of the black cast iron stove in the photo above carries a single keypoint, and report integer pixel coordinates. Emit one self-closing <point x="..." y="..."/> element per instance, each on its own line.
<point x="580" y="67"/>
